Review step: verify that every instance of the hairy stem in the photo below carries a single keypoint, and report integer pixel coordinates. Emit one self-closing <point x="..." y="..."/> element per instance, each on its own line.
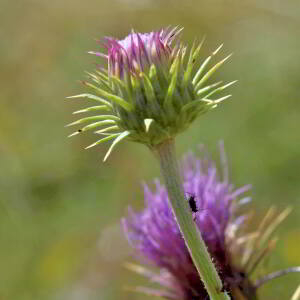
<point x="165" y="153"/>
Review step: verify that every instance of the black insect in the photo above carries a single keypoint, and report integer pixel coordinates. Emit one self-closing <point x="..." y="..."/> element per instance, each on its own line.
<point x="192" y="203"/>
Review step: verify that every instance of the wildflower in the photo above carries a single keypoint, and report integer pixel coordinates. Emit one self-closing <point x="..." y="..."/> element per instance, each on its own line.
<point x="148" y="93"/>
<point x="156" y="237"/>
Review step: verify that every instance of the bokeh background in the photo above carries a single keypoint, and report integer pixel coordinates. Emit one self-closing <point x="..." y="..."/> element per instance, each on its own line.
<point x="60" y="206"/>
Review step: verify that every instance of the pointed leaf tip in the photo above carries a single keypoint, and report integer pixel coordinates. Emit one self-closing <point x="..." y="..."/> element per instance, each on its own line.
<point x="105" y="139"/>
<point x="228" y="84"/>
<point x="210" y="72"/>
<point x="104" y="130"/>
<point x="222" y="99"/>
<point x="75" y="133"/>
<point x="71" y="97"/>
<point x="227" y="57"/>
<point x="92" y="108"/>
<point x="90" y="146"/>
<point x="92" y="97"/>
<point x="218" y="49"/>
<point x="71" y="124"/>
<point x="119" y="138"/>
<point x="148" y="123"/>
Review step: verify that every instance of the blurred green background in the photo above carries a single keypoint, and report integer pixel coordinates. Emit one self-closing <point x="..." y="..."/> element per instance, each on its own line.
<point x="60" y="206"/>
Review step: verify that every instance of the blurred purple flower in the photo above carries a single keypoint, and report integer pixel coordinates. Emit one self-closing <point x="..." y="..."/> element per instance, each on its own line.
<point x="155" y="235"/>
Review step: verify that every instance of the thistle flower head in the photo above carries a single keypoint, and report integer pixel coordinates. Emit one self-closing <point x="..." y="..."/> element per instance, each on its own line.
<point x="157" y="240"/>
<point x="148" y="94"/>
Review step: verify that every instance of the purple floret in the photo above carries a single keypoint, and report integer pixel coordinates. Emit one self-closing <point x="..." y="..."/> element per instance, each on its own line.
<point x="138" y="51"/>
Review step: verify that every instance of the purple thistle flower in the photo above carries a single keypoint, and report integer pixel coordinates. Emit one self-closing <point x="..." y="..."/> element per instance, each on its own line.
<point x="156" y="237"/>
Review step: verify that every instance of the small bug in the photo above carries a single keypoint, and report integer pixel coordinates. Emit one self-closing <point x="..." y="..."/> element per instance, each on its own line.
<point x="193" y="204"/>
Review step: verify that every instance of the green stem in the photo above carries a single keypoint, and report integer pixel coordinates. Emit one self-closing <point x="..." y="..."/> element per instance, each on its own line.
<point x="193" y="239"/>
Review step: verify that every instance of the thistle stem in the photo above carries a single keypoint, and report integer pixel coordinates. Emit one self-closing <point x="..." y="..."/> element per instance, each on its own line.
<point x="165" y="153"/>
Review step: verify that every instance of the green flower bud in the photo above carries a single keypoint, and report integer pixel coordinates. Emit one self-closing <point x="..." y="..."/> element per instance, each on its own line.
<point x="148" y="94"/>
